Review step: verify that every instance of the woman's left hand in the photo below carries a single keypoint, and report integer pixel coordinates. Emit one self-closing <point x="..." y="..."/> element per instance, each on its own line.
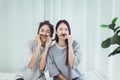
<point x="48" y="42"/>
<point x="70" y="40"/>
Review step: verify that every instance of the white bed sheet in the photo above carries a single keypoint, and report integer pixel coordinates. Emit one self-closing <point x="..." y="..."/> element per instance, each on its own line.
<point x="7" y="76"/>
<point x="89" y="75"/>
<point x="12" y="76"/>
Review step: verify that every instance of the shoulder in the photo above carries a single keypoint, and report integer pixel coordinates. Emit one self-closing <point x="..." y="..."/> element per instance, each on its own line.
<point x="76" y="45"/>
<point x="75" y="42"/>
<point x="31" y="42"/>
<point x="52" y="47"/>
<point x="31" y="45"/>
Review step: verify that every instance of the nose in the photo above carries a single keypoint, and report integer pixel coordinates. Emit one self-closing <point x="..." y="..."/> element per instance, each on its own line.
<point x="64" y="32"/>
<point x="44" y="33"/>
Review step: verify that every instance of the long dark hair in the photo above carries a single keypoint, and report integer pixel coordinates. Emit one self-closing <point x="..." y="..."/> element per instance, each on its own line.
<point x="66" y="41"/>
<point x="49" y="25"/>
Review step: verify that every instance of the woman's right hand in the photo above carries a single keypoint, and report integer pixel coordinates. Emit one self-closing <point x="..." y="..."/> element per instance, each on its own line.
<point x="37" y="40"/>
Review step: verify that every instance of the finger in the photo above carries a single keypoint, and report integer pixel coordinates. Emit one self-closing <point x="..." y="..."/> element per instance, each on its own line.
<point x="35" y="37"/>
<point x="38" y="35"/>
<point x="49" y="39"/>
<point x="70" y="36"/>
<point x="67" y="36"/>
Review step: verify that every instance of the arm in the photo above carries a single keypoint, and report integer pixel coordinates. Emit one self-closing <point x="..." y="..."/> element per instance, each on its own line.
<point x="74" y="53"/>
<point x="61" y="77"/>
<point x="43" y="60"/>
<point x="36" y="52"/>
<point x="71" y="56"/>
<point x="34" y="58"/>
<point x="77" y="54"/>
<point x="70" y="51"/>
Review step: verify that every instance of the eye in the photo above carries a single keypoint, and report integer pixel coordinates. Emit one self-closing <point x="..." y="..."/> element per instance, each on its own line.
<point x="60" y="29"/>
<point x="42" y="30"/>
<point x="66" y="29"/>
<point x="47" y="31"/>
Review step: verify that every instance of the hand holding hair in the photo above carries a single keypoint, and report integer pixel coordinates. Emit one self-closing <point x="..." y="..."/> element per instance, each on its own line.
<point x="37" y="40"/>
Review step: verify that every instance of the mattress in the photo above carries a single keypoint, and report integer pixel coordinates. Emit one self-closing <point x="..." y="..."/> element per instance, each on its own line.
<point x="7" y="76"/>
<point x="89" y="75"/>
<point x="12" y="76"/>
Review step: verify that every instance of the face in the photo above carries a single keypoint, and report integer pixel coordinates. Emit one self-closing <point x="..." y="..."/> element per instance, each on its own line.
<point x="44" y="32"/>
<point x="62" y="31"/>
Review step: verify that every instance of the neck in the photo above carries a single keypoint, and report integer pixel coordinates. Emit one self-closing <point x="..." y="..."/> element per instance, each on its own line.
<point x="61" y="43"/>
<point x="43" y="44"/>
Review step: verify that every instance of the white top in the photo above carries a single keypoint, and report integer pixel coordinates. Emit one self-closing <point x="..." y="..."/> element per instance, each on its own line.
<point x="34" y="73"/>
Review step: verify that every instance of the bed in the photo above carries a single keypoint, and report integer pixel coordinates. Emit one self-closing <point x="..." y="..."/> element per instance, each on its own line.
<point x="11" y="76"/>
<point x="89" y="75"/>
<point x="7" y="76"/>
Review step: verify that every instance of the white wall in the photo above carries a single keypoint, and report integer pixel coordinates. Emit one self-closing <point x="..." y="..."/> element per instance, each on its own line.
<point x="19" y="21"/>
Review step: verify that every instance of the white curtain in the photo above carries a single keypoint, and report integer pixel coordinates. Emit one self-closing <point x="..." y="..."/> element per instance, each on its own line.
<point x="85" y="18"/>
<point x="19" y="20"/>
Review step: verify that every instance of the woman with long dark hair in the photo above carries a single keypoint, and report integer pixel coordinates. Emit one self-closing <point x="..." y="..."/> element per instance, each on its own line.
<point x="64" y="56"/>
<point x="37" y="57"/>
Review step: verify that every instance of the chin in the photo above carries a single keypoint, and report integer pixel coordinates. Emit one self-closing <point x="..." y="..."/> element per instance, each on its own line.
<point x="44" y="40"/>
<point x="63" y="39"/>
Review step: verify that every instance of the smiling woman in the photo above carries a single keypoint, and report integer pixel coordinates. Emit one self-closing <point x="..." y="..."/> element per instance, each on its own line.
<point x="36" y="59"/>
